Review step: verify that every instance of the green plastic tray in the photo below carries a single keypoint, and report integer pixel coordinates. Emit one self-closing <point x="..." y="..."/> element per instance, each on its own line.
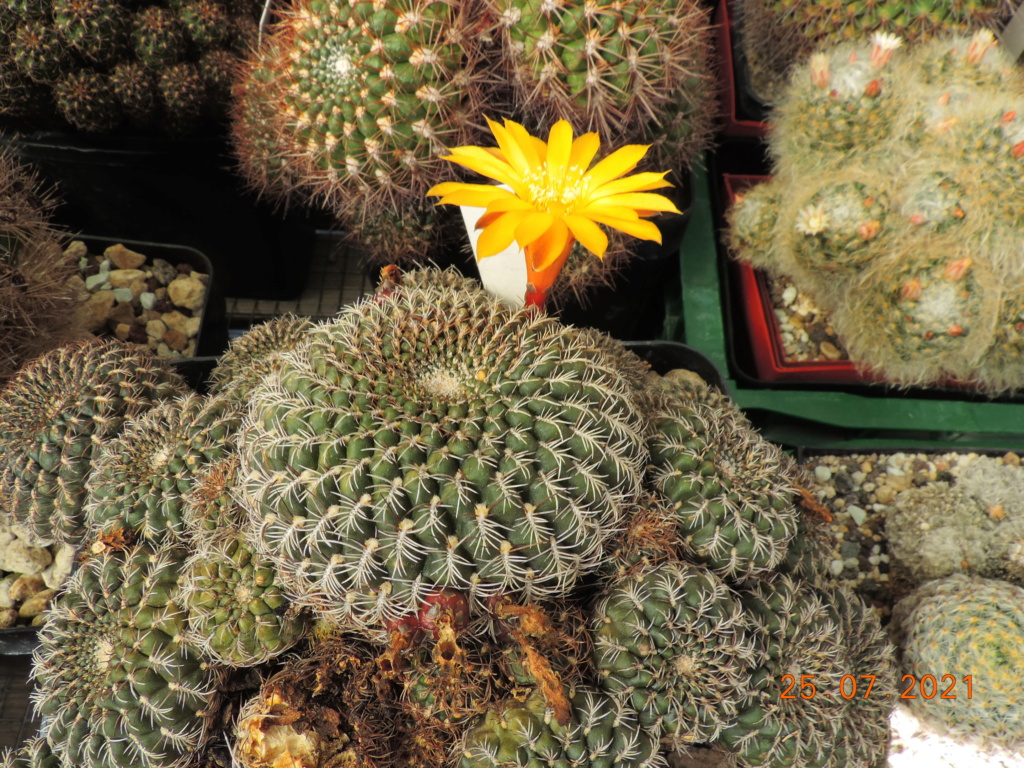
<point x="875" y="417"/>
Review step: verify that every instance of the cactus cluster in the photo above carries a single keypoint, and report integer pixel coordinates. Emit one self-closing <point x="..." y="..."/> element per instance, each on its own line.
<point x="896" y="203"/>
<point x="484" y="538"/>
<point x="101" y="65"/>
<point x="776" y="34"/>
<point x="352" y="103"/>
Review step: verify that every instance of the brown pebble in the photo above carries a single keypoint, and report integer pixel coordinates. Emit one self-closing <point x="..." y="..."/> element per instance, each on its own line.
<point x="184" y="269"/>
<point x="829" y="350"/>
<point x="175" y="340"/>
<point x="1012" y="459"/>
<point x="137" y="334"/>
<point x="122" y="312"/>
<point x="121" y="331"/>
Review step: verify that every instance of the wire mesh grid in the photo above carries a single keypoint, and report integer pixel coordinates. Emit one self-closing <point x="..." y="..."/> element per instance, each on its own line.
<point x="336" y="277"/>
<point x="16" y="722"/>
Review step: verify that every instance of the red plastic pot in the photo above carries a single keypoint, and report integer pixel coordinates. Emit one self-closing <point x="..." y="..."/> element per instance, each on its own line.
<point x="735" y="120"/>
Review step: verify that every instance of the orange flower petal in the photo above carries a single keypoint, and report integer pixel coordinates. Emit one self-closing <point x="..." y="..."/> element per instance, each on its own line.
<point x="532" y="226"/>
<point x="498" y="234"/>
<point x="591" y="236"/>
<point x="618" y="163"/>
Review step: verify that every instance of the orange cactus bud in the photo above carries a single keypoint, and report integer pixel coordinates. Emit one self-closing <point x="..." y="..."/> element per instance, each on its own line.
<point x="869" y="229"/>
<point x="957" y="212"/>
<point x="945" y="124"/>
<point x="1018" y="150"/>
<point x="1008" y="117"/>
<point x="820" y="74"/>
<point x="872" y="89"/>
<point x="955" y="330"/>
<point x="911" y="290"/>
<point x="956" y="269"/>
<point x="944" y="99"/>
<point x="918" y="218"/>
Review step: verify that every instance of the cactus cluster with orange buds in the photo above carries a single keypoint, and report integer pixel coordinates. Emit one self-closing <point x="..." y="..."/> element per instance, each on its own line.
<point x="897" y="201"/>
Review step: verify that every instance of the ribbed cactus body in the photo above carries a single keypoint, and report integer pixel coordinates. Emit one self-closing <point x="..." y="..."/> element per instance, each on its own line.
<point x="56" y="414"/>
<point x="252" y="356"/>
<point x="139" y="480"/>
<point x="601" y="733"/>
<point x="730" y="490"/>
<point x="35" y="753"/>
<point x="966" y="626"/>
<point x="237" y="612"/>
<point x="86" y="98"/>
<point x="673" y="641"/>
<point x="158" y="37"/>
<point x="433" y="438"/>
<point x="95" y="30"/>
<point x="38" y="51"/>
<point x="841" y="226"/>
<point x="114" y="683"/>
<point x="366" y="97"/>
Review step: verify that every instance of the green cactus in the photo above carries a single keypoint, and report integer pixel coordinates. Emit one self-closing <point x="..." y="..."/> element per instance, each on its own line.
<point x="237" y="611"/>
<point x="964" y="627"/>
<point x="95" y="30"/>
<point x="207" y="22"/>
<point x="35" y="753"/>
<point x="217" y="69"/>
<point x="138" y="480"/>
<point x="38" y="51"/>
<point x="252" y="356"/>
<point x="114" y="683"/>
<point x="600" y="732"/>
<point x="638" y="70"/>
<point x="673" y="641"/>
<point x="817" y="638"/>
<point x="730" y="490"/>
<point x="430" y="438"/>
<point x="183" y="93"/>
<point x="135" y="89"/>
<point x="365" y="99"/>
<point x="87" y="100"/>
<point x="57" y="412"/>
<point x="158" y="37"/>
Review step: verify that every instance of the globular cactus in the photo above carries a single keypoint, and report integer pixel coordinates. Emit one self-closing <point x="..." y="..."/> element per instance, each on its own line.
<point x="673" y="640"/>
<point x="208" y="504"/>
<point x="253" y="356"/>
<point x="158" y="37"/>
<point x="433" y="438"/>
<point x="57" y="412"/>
<point x="364" y="98"/>
<point x="922" y="315"/>
<point x="638" y="71"/>
<point x="237" y="611"/>
<point x="134" y="86"/>
<point x="138" y="481"/>
<point x="752" y="219"/>
<point x="965" y="632"/>
<point x="731" y="492"/>
<point x="114" y="682"/>
<point x="840" y="99"/>
<point x="207" y="23"/>
<point x="600" y="732"/>
<point x="820" y="637"/>
<point x="87" y="100"/>
<point x="94" y="29"/>
<point x="37" y="50"/>
<point x="183" y="94"/>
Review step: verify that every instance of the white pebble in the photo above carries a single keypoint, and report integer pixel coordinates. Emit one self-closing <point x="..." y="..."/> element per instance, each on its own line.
<point x="789" y="295"/>
<point x="836" y="566"/>
<point x="858" y="477"/>
<point x="824" y="474"/>
<point x="22" y="557"/>
<point x="147" y="299"/>
<point x="857" y="514"/>
<point x="874" y="559"/>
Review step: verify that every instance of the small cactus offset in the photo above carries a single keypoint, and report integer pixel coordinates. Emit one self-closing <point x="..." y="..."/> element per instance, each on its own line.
<point x="237" y="612"/>
<point x="776" y="34"/>
<point x="56" y="414"/>
<point x="730" y="491"/>
<point x="138" y="481"/>
<point x="672" y="640"/>
<point x="967" y="627"/>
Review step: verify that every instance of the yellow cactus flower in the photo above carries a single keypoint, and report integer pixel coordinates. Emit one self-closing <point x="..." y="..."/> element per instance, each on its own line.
<point x="554" y="197"/>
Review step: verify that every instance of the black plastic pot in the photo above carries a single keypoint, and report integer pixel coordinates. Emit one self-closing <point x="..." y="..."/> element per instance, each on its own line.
<point x="175" y="190"/>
